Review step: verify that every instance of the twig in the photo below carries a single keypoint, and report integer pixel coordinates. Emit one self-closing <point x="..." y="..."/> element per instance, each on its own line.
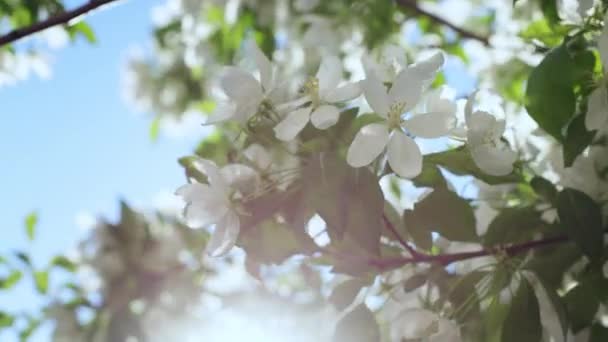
<point x="389" y="226"/>
<point x="59" y="19"/>
<point x="413" y="6"/>
<point x="448" y="258"/>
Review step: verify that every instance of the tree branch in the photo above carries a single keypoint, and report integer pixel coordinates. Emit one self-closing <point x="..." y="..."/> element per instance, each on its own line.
<point x="448" y="258"/>
<point x="412" y="5"/>
<point x="59" y="19"/>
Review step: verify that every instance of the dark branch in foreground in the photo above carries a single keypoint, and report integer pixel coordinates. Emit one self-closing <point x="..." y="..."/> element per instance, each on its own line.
<point x="412" y="5"/>
<point x="59" y="19"/>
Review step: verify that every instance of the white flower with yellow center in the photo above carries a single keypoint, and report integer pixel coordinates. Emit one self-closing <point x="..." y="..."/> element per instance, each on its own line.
<point x="322" y="94"/>
<point x="404" y="155"/>
<point x="218" y="202"/>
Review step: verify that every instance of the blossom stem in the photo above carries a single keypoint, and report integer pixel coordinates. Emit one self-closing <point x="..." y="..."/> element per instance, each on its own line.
<point x="412" y="5"/>
<point x="59" y="19"/>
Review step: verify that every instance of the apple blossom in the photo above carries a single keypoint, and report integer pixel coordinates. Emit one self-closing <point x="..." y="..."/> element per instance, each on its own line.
<point x="484" y="133"/>
<point x="323" y="93"/>
<point x="216" y="203"/>
<point x="404" y="155"/>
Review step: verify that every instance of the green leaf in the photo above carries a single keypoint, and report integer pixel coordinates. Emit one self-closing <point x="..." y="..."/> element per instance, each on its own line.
<point x="65" y="263"/>
<point x="349" y="200"/>
<point x="460" y="162"/>
<point x="6" y="320"/>
<point x="599" y="333"/>
<point x="522" y="323"/>
<point x="154" y="129"/>
<point x="513" y="225"/>
<point x="545" y="189"/>
<point x="31" y="327"/>
<point x="83" y="29"/>
<point x="455" y="222"/>
<point x="550" y="95"/>
<point x="417" y="229"/>
<point x="31" y="220"/>
<point x="549" y="9"/>
<point x="41" y="280"/>
<point x="547" y="295"/>
<point x="582" y="305"/>
<point x="359" y="325"/>
<point x="11" y="280"/>
<point x="550" y="36"/>
<point x="577" y="139"/>
<point x="345" y="293"/>
<point x="581" y="218"/>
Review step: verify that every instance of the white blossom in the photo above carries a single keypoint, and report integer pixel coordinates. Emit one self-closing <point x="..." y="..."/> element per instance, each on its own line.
<point x="484" y="134"/>
<point x="323" y="93"/>
<point x="216" y="203"/>
<point x="245" y="92"/>
<point x="404" y="155"/>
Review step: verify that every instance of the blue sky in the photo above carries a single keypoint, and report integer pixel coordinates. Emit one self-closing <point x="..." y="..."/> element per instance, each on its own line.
<point x="71" y="144"/>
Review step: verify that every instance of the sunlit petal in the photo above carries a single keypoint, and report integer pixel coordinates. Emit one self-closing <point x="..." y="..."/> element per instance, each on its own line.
<point x="404" y="155"/>
<point x="344" y="93"/>
<point x="225" y="235"/>
<point x="375" y="94"/>
<point x="292" y="124"/>
<point x="239" y="84"/>
<point x="369" y="142"/>
<point x="493" y="161"/>
<point x="325" y="116"/>
<point x="329" y="74"/>
<point x="431" y="125"/>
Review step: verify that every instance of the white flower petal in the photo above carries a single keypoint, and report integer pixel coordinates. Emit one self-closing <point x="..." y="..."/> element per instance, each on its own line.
<point x="407" y="89"/>
<point x="257" y="154"/>
<point x="240" y="177"/>
<point x="264" y="66"/>
<point x="325" y="116"/>
<point x="493" y="161"/>
<point x="344" y="93"/>
<point x="430" y="125"/>
<point x="225" y="235"/>
<point x="293" y="123"/>
<point x="404" y="155"/>
<point x="372" y="68"/>
<point x="329" y="74"/>
<point x="204" y="206"/>
<point x="223" y="111"/>
<point x="210" y="169"/>
<point x="369" y="142"/>
<point x="602" y="45"/>
<point x="428" y="68"/>
<point x="240" y="85"/>
<point x="597" y="114"/>
<point x="375" y="94"/>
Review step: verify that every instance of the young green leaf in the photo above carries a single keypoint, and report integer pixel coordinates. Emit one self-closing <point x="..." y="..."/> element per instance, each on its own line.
<point x="41" y="280"/>
<point x="31" y="220"/>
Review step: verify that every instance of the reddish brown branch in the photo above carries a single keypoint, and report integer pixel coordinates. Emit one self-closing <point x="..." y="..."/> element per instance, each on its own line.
<point x="389" y="226"/>
<point x="412" y="5"/>
<point x="446" y="259"/>
<point x="59" y="19"/>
